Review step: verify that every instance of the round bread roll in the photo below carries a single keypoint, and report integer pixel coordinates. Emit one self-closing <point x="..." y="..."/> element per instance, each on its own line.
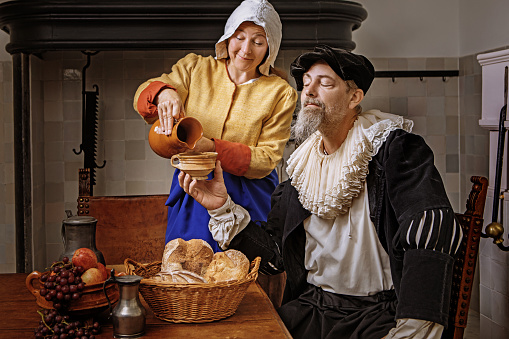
<point x="194" y="255"/>
<point x="227" y="266"/>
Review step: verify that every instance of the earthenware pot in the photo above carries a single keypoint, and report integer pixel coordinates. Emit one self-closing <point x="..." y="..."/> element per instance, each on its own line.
<point x="185" y="133"/>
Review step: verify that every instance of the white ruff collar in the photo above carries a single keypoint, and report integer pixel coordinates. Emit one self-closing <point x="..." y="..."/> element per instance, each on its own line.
<point x="328" y="183"/>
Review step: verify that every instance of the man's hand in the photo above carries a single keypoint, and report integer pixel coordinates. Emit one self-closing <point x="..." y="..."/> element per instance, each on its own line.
<point x="211" y="194"/>
<point x="170" y="108"/>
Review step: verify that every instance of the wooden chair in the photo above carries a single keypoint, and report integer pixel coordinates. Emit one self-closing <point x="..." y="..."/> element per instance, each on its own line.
<point x="464" y="267"/>
<point x="127" y="226"/>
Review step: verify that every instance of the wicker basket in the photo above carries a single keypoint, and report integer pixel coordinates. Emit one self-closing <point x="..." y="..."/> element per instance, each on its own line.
<point x="190" y="303"/>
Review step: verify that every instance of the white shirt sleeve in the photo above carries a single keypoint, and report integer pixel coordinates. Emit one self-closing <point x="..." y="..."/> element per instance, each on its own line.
<point x="227" y="221"/>
<point x="415" y="329"/>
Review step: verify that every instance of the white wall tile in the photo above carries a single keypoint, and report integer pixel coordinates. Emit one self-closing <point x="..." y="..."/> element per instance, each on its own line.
<point x="485" y="301"/>
<point x="417" y="106"/>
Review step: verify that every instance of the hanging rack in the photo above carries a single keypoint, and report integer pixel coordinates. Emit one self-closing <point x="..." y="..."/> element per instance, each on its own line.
<point x="416" y="74"/>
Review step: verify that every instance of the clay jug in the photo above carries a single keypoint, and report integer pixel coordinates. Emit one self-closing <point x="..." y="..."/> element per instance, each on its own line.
<point x="79" y="232"/>
<point x="185" y="133"/>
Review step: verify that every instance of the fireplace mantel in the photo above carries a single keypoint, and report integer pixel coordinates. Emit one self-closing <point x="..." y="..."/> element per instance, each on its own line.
<point x="36" y="26"/>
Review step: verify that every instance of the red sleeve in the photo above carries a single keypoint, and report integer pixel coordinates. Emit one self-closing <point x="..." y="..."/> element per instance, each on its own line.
<point x="234" y="156"/>
<point x="146" y="101"/>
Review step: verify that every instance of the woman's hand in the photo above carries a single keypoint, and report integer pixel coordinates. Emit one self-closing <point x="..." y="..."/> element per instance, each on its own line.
<point x="211" y="194"/>
<point x="169" y="108"/>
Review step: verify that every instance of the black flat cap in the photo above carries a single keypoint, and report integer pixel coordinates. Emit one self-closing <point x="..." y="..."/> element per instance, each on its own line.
<point x="347" y="65"/>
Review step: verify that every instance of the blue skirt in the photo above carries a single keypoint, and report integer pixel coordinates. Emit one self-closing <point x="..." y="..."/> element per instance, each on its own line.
<point x="187" y="219"/>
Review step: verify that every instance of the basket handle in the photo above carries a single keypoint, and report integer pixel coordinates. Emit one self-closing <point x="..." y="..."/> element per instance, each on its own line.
<point x="130" y="264"/>
<point x="255" y="264"/>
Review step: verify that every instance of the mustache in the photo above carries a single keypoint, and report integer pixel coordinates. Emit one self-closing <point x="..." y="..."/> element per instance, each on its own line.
<point x="313" y="102"/>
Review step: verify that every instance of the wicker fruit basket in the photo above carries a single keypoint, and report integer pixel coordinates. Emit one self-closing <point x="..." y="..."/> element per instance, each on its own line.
<point x="194" y="302"/>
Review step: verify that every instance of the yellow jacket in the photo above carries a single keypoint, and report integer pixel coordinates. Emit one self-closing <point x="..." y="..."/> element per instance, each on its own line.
<point x="257" y="114"/>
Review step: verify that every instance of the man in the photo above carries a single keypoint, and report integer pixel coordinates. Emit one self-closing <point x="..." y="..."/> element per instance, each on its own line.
<point x="363" y="227"/>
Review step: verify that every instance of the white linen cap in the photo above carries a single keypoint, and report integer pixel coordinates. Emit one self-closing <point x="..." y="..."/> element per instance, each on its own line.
<point x="261" y="13"/>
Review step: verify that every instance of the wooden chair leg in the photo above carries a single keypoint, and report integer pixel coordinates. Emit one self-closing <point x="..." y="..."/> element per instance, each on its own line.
<point x="274" y="286"/>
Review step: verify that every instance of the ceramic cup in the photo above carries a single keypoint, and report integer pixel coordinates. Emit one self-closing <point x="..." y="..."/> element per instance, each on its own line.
<point x="197" y="164"/>
<point x="185" y="133"/>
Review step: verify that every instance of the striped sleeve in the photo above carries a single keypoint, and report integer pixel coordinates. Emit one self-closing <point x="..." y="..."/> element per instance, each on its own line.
<point x="435" y="229"/>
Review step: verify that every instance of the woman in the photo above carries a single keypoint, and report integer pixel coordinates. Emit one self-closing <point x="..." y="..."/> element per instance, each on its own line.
<point x="245" y="110"/>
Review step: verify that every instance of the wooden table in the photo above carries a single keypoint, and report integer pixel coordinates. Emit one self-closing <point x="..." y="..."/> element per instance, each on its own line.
<point x="255" y="317"/>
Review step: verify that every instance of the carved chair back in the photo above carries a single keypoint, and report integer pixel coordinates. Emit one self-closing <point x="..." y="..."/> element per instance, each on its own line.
<point x="464" y="267"/>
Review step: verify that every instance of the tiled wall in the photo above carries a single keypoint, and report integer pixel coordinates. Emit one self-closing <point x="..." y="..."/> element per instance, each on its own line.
<point x="132" y="167"/>
<point x="431" y="103"/>
<point x="473" y="141"/>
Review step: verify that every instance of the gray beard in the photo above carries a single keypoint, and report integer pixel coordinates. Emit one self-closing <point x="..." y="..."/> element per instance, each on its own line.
<point x="308" y="121"/>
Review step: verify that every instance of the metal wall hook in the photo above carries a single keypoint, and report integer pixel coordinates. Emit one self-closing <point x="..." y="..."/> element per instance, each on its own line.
<point x="416" y="74"/>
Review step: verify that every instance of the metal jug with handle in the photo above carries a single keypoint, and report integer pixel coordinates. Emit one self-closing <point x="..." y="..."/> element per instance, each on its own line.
<point x="79" y="232"/>
<point x="129" y="315"/>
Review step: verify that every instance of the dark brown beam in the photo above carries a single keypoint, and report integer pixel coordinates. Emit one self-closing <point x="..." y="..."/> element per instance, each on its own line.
<point x="22" y="161"/>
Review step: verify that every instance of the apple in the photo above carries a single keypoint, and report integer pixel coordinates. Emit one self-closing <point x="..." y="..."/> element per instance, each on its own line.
<point x="92" y="276"/>
<point x="103" y="270"/>
<point x="85" y="258"/>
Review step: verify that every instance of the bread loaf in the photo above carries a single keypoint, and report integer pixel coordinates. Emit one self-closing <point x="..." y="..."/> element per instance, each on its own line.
<point x="193" y="255"/>
<point x="194" y="261"/>
<point x="227" y="266"/>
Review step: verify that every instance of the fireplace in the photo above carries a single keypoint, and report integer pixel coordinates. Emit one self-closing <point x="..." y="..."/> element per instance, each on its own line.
<point x="40" y="29"/>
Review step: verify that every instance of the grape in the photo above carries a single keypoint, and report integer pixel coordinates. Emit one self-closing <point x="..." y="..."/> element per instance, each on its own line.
<point x="54" y="325"/>
<point x="62" y="284"/>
